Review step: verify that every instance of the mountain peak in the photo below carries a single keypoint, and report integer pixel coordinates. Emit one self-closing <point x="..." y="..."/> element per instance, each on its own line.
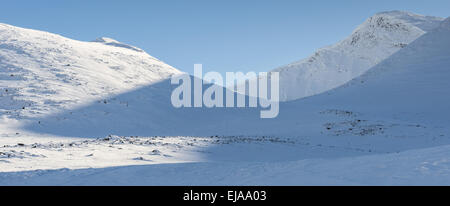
<point x="115" y="43"/>
<point x="426" y="23"/>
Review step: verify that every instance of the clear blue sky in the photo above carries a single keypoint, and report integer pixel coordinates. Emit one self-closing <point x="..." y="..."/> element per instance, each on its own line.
<point x="228" y="35"/>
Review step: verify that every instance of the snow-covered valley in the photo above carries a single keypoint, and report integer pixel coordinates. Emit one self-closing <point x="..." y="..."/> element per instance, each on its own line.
<point x="99" y="113"/>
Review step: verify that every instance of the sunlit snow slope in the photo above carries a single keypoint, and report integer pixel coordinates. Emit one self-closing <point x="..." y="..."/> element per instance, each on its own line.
<point x="43" y="73"/>
<point x="411" y="84"/>
<point x="373" y="41"/>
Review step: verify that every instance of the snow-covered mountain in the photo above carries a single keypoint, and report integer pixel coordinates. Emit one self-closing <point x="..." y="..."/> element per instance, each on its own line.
<point x="412" y="84"/>
<point x="377" y="38"/>
<point x="148" y="110"/>
<point x="42" y="73"/>
<point x="390" y="125"/>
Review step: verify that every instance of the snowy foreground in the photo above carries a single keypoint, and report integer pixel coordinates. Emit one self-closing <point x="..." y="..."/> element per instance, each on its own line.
<point x="99" y="113"/>
<point x="180" y="161"/>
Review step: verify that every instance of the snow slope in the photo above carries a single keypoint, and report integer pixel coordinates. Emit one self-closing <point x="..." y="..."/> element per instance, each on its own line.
<point x="390" y="125"/>
<point x="411" y="84"/>
<point x="373" y="41"/>
<point x="43" y="73"/>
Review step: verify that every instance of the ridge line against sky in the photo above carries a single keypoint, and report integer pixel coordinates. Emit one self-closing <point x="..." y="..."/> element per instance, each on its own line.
<point x="223" y="35"/>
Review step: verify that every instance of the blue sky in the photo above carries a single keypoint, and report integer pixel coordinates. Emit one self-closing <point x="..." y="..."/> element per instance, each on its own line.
<point x="245" y="35"/>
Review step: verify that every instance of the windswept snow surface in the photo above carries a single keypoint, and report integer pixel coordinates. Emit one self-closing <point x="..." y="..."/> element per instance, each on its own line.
<point x="376" y="39"/>
<point x="389" y="125"/>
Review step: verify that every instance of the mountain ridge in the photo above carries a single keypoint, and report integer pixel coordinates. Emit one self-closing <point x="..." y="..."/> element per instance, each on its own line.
<point x="371" y="42"/>
<point x="42" y="73"/>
